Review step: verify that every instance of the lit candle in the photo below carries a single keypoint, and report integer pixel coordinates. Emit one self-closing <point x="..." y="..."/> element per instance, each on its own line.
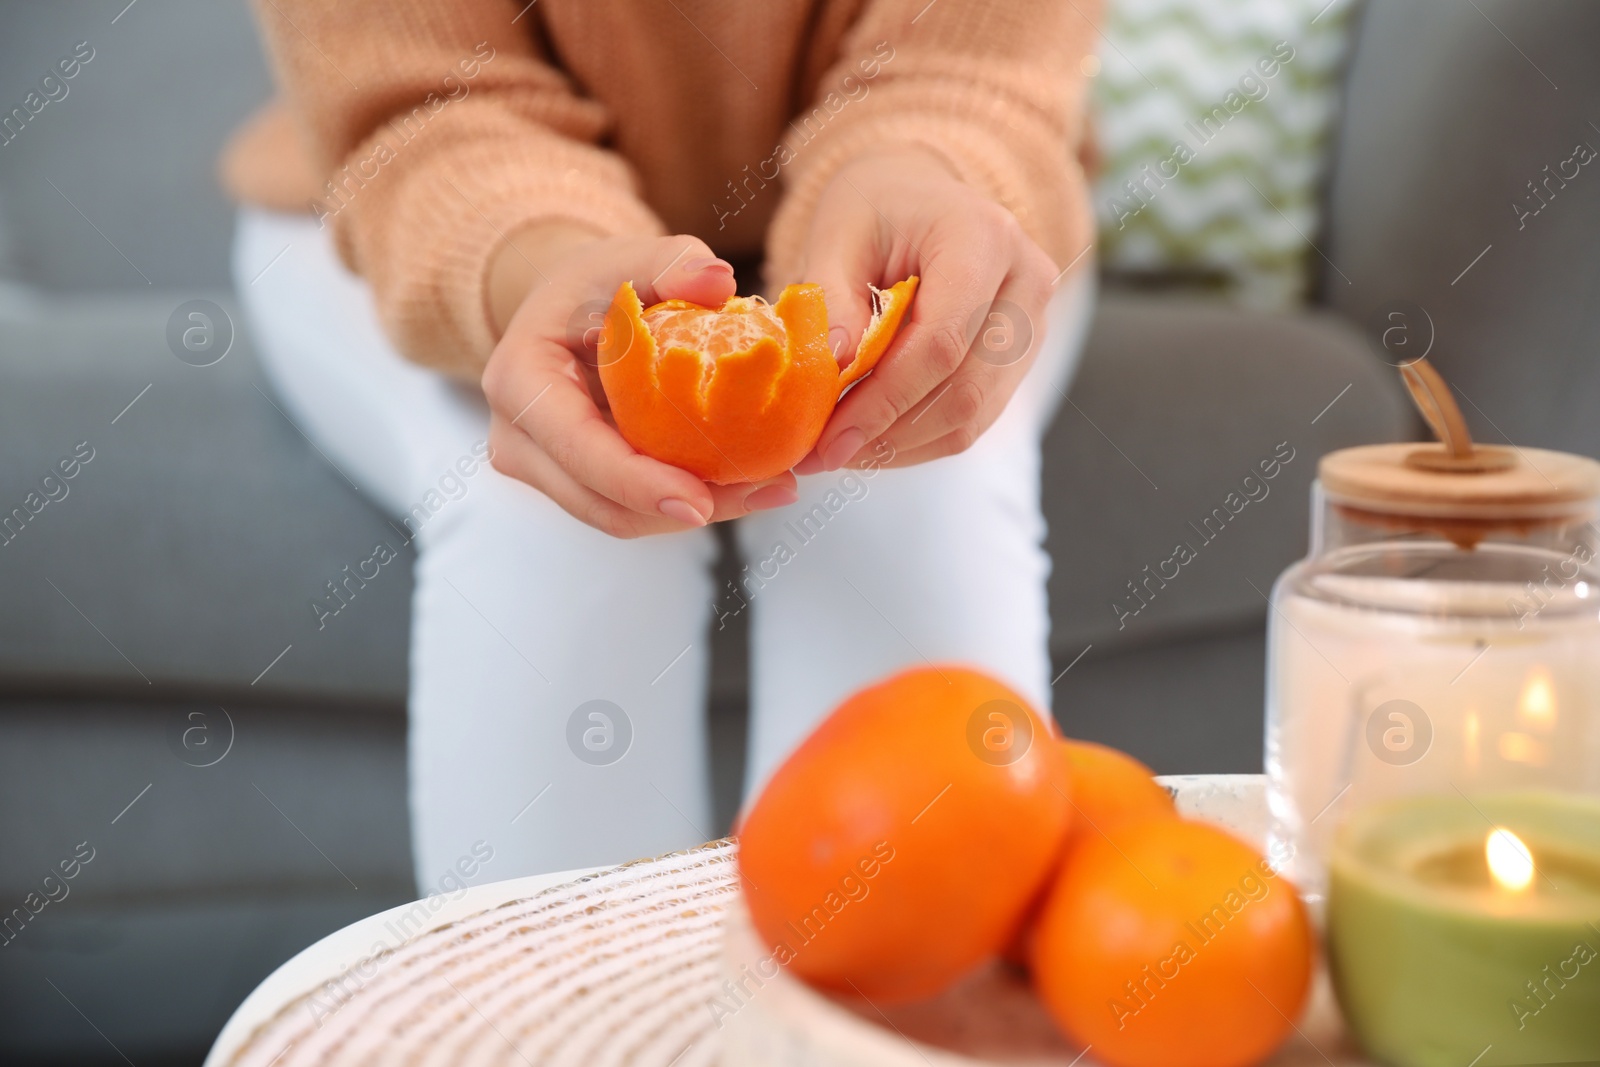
<point x="1467" y="930"/>
<point x="1394" y="704"/>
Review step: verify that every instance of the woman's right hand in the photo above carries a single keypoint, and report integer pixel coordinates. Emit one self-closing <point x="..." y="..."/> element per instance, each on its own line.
<point x="549" y="423"/>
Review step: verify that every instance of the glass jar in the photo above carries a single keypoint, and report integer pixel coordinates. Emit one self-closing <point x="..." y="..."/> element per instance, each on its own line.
<point x="1442" y="637"/>
<point x="1433" y="743"/>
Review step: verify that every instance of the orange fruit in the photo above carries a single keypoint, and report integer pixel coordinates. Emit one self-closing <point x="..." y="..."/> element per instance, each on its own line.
<point x="1174" y="946"/>
<point x="1109" y="789"/>
<point x="738" y="393"/>
<point x="899" y="846"/>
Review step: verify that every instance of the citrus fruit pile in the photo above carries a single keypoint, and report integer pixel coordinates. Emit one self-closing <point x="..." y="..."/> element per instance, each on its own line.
<point x="738" y="393"/>
<point x="935" y="821"/>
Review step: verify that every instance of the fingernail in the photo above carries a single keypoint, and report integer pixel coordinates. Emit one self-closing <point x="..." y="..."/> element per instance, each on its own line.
<point x="837" y="337"/>
<point x="707" y="263"/>
<point x="771" y="496"/>
<point x="681" y="511"/>
<point x="843" y="448"/>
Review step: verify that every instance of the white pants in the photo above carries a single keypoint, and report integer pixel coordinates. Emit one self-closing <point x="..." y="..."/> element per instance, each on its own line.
<point x="522" y="616"/>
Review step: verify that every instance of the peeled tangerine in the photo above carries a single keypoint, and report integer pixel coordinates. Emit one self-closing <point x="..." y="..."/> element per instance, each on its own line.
<point x="738" y="393"/>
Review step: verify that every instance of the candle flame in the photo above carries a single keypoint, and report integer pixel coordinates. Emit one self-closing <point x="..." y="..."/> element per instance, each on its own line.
<point x="1510" y="862"/>
<point x="1537" y="706"/>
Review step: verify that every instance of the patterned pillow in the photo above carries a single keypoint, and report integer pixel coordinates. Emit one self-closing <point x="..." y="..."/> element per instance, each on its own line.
<point x="1213" y="118"/>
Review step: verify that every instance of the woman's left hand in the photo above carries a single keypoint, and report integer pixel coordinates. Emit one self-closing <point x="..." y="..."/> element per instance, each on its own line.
<point x="974" y="327"/>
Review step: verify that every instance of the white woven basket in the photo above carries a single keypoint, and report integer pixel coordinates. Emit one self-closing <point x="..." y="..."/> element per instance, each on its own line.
<point x="616" y="968"/>
<point x="632" y="966"/>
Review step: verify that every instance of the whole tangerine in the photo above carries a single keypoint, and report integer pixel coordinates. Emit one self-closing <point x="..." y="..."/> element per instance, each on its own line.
<point x="899" y="846"/>
<point x="1109" y="790"/>
<point x="738" y="393"/>
<point x="1177" y="945"/>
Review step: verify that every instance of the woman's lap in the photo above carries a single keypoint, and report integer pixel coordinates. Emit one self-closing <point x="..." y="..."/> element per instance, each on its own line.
<point x="524" y="617"/>
<point x="551" y="661"/>
<point x="521" y="616"/>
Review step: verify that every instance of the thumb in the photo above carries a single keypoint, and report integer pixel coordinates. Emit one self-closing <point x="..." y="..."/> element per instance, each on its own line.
<point x="684" y="268"/>
<point x="844" y="275"/>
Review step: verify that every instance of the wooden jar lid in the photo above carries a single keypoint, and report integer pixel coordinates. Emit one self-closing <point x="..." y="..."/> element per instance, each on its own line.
<point x="1457" y="479"/>
<point x="1505" y="484"/>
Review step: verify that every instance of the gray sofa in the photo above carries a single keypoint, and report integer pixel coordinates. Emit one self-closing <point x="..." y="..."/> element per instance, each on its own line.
<point x="236" y="777"/>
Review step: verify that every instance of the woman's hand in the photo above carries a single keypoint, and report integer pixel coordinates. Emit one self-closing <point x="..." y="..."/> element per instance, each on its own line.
<point x="973" y="330"/>
<point x="548" y="291"/>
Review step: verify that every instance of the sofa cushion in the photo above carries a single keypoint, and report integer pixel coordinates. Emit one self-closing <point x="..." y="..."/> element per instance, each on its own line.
<point x="1192" y="424"/>
<point x="133" y="143"/>
<point x="196" y="528"/>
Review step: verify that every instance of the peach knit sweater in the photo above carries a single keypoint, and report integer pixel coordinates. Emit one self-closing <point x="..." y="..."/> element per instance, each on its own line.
<point x="422" y="131"/>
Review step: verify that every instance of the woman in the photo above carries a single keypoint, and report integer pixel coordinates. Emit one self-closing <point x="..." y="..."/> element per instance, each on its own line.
<point x="449" y="189"/>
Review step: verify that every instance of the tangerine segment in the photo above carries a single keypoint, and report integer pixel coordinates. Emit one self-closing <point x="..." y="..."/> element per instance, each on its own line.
<point x="732" y="394"/>
<point x="736" y="327"/>
<point x="889" y="306"/>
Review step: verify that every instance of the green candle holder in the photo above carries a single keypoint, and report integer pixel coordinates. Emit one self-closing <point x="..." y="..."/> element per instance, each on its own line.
<point x="1437" y="963"/>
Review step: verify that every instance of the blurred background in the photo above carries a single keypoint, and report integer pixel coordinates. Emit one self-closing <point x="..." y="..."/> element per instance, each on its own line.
<point x="1412" y="175"/>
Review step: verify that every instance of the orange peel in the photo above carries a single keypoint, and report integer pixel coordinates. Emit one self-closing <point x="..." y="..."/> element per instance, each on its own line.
<point x="738" y="393"/>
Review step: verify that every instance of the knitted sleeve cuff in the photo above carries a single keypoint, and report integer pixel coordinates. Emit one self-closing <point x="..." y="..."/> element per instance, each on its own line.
<point x="425" y="234"/>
